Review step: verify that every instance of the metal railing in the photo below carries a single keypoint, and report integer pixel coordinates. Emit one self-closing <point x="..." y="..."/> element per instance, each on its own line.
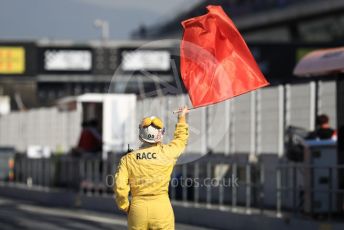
<point x="236" y="184"/>
<point x="219" y="182"/>
<point x="212" y="181"/>
<point x="309" y="189"/>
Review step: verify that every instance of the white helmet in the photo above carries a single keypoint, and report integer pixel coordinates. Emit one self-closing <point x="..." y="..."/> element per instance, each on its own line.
<point x="151" y="130"/>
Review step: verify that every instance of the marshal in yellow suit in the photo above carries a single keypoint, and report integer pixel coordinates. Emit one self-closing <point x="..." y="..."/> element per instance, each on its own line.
<point x="146" y="173"/>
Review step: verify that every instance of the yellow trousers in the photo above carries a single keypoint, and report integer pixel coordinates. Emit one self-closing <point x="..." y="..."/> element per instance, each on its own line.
<point x="151" y="212"/>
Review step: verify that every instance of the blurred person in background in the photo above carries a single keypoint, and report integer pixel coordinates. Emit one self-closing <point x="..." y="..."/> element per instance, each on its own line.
<point x="90" y="140"/>
<point x="146" y="174"/>
<point x="323" y="130"/>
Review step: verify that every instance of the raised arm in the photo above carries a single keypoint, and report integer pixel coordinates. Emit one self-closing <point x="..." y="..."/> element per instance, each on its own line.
<point x="181" y="134"/>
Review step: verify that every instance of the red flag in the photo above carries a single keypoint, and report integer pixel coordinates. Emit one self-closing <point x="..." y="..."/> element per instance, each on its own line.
<point x="216" y="63"/>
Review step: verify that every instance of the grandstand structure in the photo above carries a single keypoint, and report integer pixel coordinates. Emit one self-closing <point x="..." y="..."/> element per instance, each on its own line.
<point x="266" y="20"/>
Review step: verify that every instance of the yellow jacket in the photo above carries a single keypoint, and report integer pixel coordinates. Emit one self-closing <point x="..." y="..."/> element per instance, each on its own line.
<point x="147" y="171"/>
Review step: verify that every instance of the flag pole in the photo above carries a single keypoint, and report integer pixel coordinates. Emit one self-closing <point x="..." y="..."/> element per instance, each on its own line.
<point x="178" y="111"/>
